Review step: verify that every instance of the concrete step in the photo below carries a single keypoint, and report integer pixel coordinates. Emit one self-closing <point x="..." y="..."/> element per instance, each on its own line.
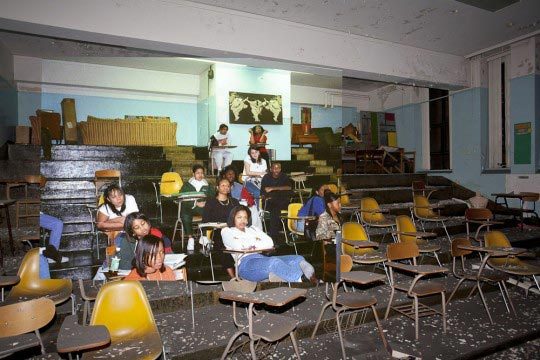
<point x="86" y="169"/>
<point x="315" y="163"/>
<point x="91" y="152"/>
<point x="304" y="157"/>
<point x="397" y="194"/>
<point x="19" y="152"/>
<point x="299" y="151"/>
<point x="178" y="149"/>
<point x="378" y="180"/>
<point x="324" y="170"/>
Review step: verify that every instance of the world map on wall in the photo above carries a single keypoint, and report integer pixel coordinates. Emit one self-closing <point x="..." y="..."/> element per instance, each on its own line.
<point x="249" y="108"/>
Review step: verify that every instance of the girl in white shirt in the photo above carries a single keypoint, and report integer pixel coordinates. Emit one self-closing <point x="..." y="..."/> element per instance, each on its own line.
<point x="240" y="235"/>
<point x="117" y="205"/>
<point x="255" y="168"/>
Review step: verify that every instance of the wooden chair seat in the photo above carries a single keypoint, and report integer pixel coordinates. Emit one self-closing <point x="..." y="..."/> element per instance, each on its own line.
<point x="369" y="258"/>
<point x="422" y="289"/>
<point x="425" y="247"/>
<point x="272" y="327"/>
<point x="355" y="300"/>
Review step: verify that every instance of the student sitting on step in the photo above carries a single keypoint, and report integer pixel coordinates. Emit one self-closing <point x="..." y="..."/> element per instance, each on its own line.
<point x="112" y="213"/>
<point x="191" y="208"/>
<point x="240" y="235"/>
<point x="257" y="137"/>
<point x="149" y="259"/>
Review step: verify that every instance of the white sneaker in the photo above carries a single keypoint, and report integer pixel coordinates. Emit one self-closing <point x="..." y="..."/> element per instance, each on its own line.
<point x="191" y="244"/>
<point x="64" y="260"/>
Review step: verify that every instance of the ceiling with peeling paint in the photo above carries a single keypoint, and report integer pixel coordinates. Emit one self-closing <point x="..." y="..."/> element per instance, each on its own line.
<point x="446" y="26"/>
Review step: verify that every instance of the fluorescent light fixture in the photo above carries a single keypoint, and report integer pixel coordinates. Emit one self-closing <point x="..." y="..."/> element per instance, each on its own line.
<point x="211" y="61"/>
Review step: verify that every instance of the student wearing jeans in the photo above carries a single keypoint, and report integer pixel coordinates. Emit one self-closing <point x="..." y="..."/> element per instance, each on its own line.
<point x="240" y="235"/>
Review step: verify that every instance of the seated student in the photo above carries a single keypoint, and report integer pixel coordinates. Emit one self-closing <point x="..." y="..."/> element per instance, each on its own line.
<point x="240" y="193"/>
<point x="217" y="210"/>
<point x="240" y="235"/>
<point x="189" y="209"/>
<point x="330" y="220"/>
<point x="314" y="206"/>
<point x="148" y="262"/>
<point x="136" y="227"/>
<point x="221" y="157"/>
<point x="230" y="174"/>
<point x="276" y="189"/>
<point x="258" y="136"/>
<point x="112" y="213"/>
<point x="255" y="168"/>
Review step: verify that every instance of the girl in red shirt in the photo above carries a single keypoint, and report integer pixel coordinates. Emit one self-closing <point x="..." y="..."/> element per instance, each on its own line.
<point x="148" y="262"/>
<point x="258" y="137"/>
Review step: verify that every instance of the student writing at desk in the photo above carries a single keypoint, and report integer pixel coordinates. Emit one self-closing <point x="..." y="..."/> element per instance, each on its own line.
<point x="221" y="157"/>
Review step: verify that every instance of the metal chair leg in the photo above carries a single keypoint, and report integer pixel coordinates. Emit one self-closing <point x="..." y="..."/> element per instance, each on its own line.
<point x="340" y="335"/>
<point x="484" y="301"/>
<point x="295" y="345"/>
<point x="389" y="304"/>
<point x="229" y="345"/>
<point x="319" y="319"/>
<point x="455" y="289"/>
<point x="416" y="318"/>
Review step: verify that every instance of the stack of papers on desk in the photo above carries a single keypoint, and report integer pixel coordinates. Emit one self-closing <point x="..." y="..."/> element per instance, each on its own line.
<point x="175" y="261"/>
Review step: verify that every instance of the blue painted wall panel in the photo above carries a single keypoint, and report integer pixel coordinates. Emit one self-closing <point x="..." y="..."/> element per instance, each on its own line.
<point x="335" y="117"/>
<point x="185" y="114"/>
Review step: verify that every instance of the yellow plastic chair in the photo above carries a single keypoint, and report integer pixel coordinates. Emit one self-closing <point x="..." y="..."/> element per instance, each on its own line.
<point x="291" y="233"/>
<point x="123" y="308"/>
<point x="423" y="211"/>
<point x="511" y="265"/>
<point x="32" y="287"/>
<point x="371" y="215"/>
<point x="404" y="224"/>
<point x="21" y="323"/>
<point x="368" y="256"/>
<point x="170" y="185"/>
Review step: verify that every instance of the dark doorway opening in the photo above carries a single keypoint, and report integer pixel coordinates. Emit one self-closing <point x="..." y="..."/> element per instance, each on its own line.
<point x="439" y="136"/>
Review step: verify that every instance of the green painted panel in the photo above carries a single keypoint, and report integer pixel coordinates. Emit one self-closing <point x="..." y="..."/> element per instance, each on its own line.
<point x="522" y="143"/>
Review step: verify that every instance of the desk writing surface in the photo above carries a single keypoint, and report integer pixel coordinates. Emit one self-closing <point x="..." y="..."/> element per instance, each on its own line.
<point x="418" y="269"/>
<point x="74" y="337"/>
<point x="273" y="297"/>
<point x="361" y="277"/>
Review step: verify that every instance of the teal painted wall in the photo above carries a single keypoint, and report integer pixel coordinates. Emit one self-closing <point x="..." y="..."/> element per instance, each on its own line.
<point x="252" y="80"/>
<point x="409" y="129"/>
<point x="335" y="117"/>
<point x="185" y="114"/>
<point x="8" y="111"/>
<point x="469" y="142"/>
<point x="523" y="104"/>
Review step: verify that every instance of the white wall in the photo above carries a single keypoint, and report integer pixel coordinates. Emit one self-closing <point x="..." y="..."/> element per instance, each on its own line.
<point x="253" y="80"/>
<point x="184" y="27"/>
<point x="107" y="91"/>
